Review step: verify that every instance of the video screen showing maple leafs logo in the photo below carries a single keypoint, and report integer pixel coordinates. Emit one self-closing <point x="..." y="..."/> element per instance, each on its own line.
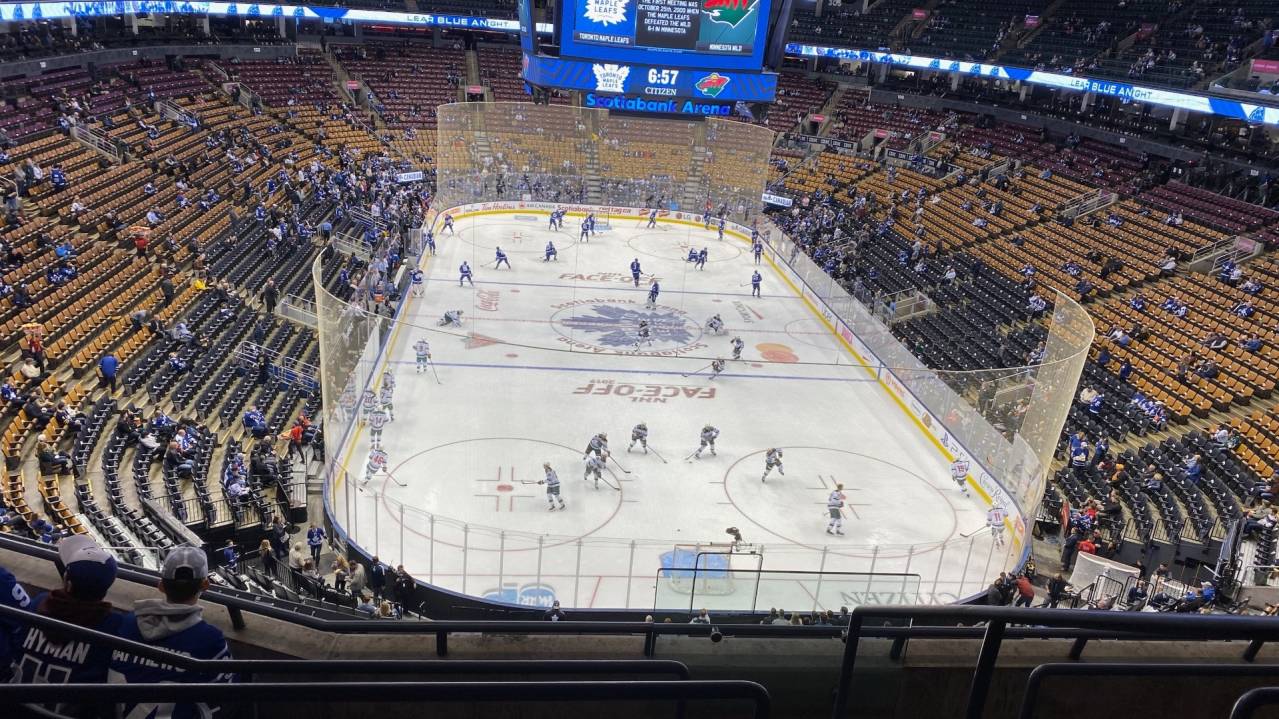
<point x="730" y="12"/>
<point x="615" y="326"/>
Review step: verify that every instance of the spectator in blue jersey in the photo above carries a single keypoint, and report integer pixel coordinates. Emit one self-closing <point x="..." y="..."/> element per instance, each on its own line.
<point x="315" y="537"/>
<point x="255" y="422"/>
<point x="174" y="622"/>
<point x="377" y="578"/>
<point x="11" y="595"/>
<point x="41" y="657"/>
<point x="108" y="366"/>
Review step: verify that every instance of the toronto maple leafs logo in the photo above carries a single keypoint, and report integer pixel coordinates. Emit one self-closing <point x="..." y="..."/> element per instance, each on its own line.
<point x="606" y="12"/>
<point x="616" y="326"/>
<point x="610" y="77"/>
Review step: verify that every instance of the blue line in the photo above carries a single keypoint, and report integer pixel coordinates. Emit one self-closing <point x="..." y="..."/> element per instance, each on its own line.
<point x="636" y="289"/>
<point x="628" y="371"/>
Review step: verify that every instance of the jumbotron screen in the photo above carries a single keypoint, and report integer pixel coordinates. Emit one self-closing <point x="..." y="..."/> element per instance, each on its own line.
<point x="719" y="34"/>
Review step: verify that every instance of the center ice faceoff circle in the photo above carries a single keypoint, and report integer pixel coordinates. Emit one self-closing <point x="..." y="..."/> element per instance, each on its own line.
<point x="611" y="324"/>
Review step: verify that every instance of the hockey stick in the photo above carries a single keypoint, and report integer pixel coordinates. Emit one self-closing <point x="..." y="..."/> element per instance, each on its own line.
<point x="618" y="486"/>
<point x="690" y="456"/>
<point x="434" y="372"/>
<point x="529" y="481"/>
<point x="659" y="456"/>
<point x="698" y="371"/>
<point x="969" y="534"/>
<point x="619" y="464"/>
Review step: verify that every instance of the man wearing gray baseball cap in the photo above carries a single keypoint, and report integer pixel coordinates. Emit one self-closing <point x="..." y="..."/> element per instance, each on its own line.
<point x="175" y="622"/>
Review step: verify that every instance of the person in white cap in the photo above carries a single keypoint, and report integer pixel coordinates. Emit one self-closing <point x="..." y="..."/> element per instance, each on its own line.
<point x="174" y="622"/>
<point x="87" y="572"/>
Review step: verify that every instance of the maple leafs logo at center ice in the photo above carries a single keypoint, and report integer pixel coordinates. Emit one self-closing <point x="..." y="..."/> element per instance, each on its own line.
<point x="606" y="12"/>
<point x="616" y="326"/>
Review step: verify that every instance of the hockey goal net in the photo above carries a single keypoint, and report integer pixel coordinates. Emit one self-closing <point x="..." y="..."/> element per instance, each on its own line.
<point x="700" y="569"/>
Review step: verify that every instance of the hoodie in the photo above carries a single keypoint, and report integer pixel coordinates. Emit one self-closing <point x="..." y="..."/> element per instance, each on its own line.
<point x="176" y="627"/>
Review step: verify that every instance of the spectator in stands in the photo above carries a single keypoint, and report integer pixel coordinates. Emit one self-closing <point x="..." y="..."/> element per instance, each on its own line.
<point x="38" y="410"/>
<point x="1253" y="523"/>
<point x="174" y="622"/>
<point x="702" y="617"/>
<point x="1070" y="547"/>
<point x="69" y="417"/>
<point x="154" y="216"/>
<point x="11" y="595"/>
<point x="297" y="556"/>
<point x="1251" y="286"/>
<point x="270" y="296"/>
<point x="87" y="573"/>
<point x="177" y="365"/>
<point x="1168" y="266"/>
<point x="315" y="537"/>
<point x="279" y="536"/>
<point x="357" y="578"/>
<point x="107" y="368"/>
<point x="176" y="461"/>
<point x="1056" y="591"/>
<point x="255" y="422"/>
<point x="29" y="369"/>
<point x="231" y="556"/>
<point x="266" y="555"/>
<point x="377" y="577"/>
<point x="1025" y="592"/>
<point x="1137" y="596"/>
<point x="366" y="605"/>
<point x="404" y="588"/>
<point x="1194" y="469"/>
<point x="1214" y="341"/>
<point x="167" y="289"/>
<point x="1265" y="490"/>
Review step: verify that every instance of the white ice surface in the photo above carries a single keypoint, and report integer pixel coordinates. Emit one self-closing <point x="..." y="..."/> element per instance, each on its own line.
<point x="563" y="367"/>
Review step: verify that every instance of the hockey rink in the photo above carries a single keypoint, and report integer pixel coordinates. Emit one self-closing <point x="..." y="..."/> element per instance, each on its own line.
<point x="546" y="357"/>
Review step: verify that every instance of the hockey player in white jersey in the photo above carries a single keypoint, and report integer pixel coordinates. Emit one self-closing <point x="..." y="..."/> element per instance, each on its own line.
<point x="387" y="398"/>
<point x="709" y="434"/>
<point x="959" y="473"/>
<point x="639" y="434"/>
<point x="451" y="318"/>
<point x="368" y="402"/>
<point x="376" y="463"/>
<point x="715" y="325"/>
<point x="422" y="349"/>
<point x="995" y="520"/>
<point x="377" y="421"/>
<point x="388" y="379"/>
<point x="835" y="507"/>
<point x="717" y="366"/>
<point x="597" y="446"/>
<point x="738" y="344"/>
<point x="643" y="334"/>
<point x="595" y="467"/>
<point x="772" y="458"/>
<point x="552" y="483"/>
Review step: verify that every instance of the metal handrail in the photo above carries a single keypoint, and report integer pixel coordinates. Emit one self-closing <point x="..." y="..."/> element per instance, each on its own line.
<point x="1109" y="669"/>
<point x="487" y="691"/>
<point x="1251" y="699"/>
<point x="1257" y="630"/>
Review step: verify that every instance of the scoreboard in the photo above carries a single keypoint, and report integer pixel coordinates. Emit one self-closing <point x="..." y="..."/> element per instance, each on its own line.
<point x="691" y="57"/>
<point x="715" y="34"/>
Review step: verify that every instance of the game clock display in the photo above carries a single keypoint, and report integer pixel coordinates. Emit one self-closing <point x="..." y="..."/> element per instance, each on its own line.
<point x="649" y="81"/>
<point x="727" y="34"/>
